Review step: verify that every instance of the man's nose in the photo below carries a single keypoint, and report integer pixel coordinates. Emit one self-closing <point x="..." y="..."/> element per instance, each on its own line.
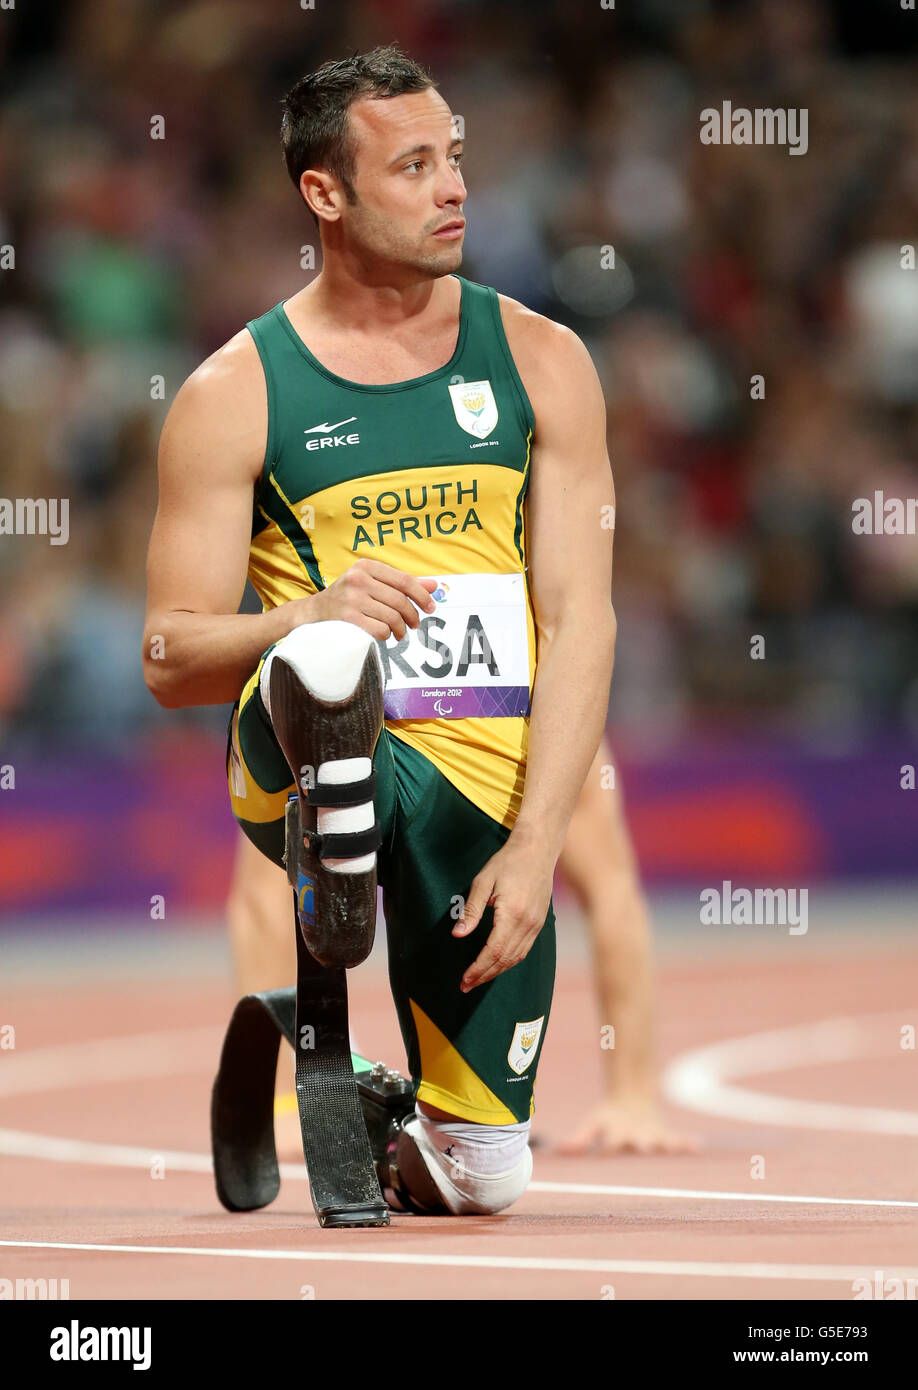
<point x="452" y="189"/>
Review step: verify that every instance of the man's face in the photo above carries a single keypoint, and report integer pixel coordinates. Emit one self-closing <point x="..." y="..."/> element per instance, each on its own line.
<point x="407" y="184"/>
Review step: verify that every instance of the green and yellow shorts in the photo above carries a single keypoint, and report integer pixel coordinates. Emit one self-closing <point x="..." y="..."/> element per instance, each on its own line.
<point x="474" y="1055"/>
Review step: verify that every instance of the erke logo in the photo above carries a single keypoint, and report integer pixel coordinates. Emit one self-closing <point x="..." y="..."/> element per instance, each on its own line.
<point x="329" y="439"/>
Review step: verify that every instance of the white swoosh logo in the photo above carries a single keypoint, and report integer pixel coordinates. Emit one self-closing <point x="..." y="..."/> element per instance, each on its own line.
<point x="327" y="429"/>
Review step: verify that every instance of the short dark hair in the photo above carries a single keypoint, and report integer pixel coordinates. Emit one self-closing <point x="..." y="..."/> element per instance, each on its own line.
<point x="314" y="129"/>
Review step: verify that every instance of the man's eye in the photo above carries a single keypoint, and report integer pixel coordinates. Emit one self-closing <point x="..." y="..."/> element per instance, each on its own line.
<point x="457" y="156"/>
<point x="415" y="164"/>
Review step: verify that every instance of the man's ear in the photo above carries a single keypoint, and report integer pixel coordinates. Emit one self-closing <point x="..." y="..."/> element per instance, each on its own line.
<point x="322" y="194"/>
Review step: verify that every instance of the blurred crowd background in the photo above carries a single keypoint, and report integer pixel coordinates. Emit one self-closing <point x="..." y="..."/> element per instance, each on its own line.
<point x="137" y="257"/>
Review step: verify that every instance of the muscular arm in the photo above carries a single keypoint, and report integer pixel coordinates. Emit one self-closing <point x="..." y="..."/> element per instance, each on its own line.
<point x="197" y="649"/>
<point x="570" y="577"/>
<point x="570" y="574"/>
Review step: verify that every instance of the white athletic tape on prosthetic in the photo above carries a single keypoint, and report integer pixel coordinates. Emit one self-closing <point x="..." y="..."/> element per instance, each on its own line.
<point x="342" y="819"/>
<point x="478" y="1169"/>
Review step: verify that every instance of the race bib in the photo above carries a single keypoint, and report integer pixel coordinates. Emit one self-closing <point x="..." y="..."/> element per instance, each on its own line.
<point x="469" y="658"/>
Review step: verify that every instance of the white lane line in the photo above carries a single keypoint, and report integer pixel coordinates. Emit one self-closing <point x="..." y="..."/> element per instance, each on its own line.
<point x="20" y="1144"/>
<point x="713" y="1269"/>
<point x="16" y="1143"/>
<point x="702" y="1078"/>
<point x="600" y="1189"/>
<point x="103" y="1060"/>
